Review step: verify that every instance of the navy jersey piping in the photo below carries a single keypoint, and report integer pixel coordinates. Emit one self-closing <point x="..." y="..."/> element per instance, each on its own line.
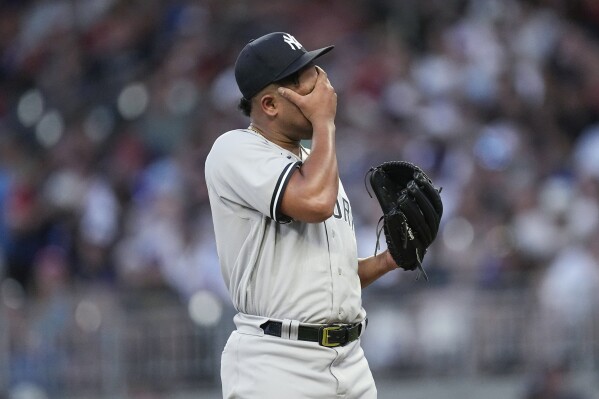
<point x="277" y="195"/>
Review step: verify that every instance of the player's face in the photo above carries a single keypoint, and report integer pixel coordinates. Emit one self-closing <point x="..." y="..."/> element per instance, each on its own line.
<point x="306" y="80"/>
<point x="303" y="83"/>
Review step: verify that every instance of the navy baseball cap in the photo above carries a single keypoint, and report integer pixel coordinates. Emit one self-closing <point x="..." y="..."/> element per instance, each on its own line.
<point x="270" y="58"/>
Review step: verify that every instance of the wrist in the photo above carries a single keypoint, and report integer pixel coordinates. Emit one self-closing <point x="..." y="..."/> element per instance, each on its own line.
<point x="388" y="261"/>
<point x="324" y="125"/>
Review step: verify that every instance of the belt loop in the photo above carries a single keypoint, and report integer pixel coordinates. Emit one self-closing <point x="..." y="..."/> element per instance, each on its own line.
<point x="285" y="327"/>
<point x="294" y="329"/>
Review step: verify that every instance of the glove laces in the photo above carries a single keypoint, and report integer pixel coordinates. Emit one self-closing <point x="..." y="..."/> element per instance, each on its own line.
<point x="405" y="231"/>
<point x="379" y="230"/>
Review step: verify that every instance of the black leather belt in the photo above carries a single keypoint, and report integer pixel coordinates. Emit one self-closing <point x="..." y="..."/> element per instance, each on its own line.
<point x="330" y="335"/>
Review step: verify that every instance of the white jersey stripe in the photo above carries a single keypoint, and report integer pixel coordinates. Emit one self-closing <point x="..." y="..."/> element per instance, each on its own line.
<point x="277" y="196"/>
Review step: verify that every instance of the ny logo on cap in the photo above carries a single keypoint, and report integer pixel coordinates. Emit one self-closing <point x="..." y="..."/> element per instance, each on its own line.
<point x="292" y="41"/>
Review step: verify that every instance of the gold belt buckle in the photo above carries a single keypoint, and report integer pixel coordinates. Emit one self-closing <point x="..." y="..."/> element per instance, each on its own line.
<point x="325" y="336"/>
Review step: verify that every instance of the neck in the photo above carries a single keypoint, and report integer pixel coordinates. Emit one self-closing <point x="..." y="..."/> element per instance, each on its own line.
<point x="279" y="139"/>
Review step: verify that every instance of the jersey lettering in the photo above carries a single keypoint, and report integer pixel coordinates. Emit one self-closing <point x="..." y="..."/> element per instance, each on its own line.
<point x="292" y="42"/>
<point x="337" y="212"/>
<point x="346" y="214"/>
<point x="346" y="211"/>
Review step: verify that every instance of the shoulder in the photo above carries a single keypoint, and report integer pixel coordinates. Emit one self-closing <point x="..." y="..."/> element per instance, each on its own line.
<point x="227" y="143"/>
<point x="237" y="140"/>
<point x="230" y="139"/>
<point x="237" y="148"/>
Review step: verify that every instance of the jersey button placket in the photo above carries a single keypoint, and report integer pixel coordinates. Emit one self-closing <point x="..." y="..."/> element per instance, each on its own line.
<point x="335" y="246"/>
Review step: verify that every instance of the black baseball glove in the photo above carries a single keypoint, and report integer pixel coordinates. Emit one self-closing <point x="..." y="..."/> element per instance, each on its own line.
<point x="412" y="210"/>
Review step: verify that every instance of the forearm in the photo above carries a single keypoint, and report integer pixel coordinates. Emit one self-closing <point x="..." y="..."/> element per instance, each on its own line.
<point x="372" y="268"/>
<point x="320" y="170"/>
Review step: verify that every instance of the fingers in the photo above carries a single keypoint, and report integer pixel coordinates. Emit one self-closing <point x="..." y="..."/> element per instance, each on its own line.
<point x="322" y="78"/>
<point x="289" y="95"/>
<point x="322" y="75"/>
<point x="319" y="103"/>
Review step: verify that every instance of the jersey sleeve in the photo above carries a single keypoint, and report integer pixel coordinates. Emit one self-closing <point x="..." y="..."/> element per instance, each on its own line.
<point x="251" y="172"/>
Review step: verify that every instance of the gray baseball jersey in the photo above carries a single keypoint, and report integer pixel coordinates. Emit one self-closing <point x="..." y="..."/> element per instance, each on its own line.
<point x="273" y="266"/>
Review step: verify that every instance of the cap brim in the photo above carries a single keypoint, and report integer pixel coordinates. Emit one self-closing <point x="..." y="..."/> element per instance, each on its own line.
<point x="302" y="61"/>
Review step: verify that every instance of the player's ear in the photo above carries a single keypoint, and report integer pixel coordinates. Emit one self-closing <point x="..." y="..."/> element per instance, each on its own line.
<point x="268" y="104"/>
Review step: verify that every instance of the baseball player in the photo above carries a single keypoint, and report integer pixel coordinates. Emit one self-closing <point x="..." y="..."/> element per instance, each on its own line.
<point x="285" y="235"/>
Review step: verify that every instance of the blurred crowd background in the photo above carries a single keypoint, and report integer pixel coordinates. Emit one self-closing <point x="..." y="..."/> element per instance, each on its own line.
<point x="109" y="107"/>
